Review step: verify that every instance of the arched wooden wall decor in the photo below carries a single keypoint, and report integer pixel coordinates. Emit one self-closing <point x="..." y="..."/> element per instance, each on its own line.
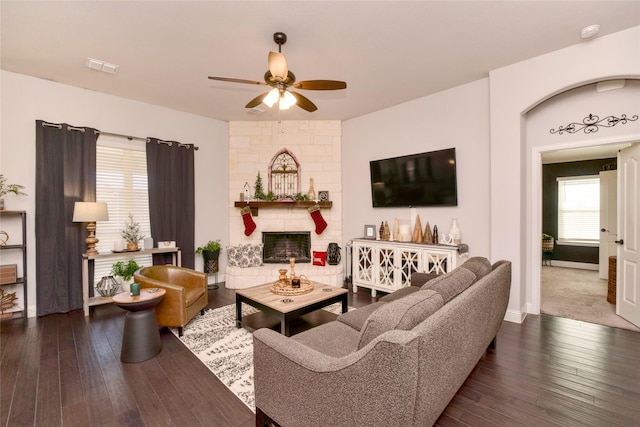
<point x="284" y="174"/>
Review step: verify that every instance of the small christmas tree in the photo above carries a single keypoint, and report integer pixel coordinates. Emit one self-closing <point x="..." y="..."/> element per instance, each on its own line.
<point x="259" y="191"/>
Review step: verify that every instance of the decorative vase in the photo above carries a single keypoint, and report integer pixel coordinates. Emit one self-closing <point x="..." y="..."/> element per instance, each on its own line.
<point x="454" y="231"/>
<point x="312" y="192"/>
<point x="108" y="286"/>
<point x="132" y="247"/>
<point x="1" y="204"/>
<point x="334" y="254"/>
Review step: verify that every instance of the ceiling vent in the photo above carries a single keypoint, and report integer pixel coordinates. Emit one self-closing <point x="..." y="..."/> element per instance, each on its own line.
<point x="96" y="64"/>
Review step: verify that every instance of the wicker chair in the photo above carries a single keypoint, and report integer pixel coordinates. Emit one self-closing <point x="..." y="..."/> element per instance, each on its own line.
<point x="186" y="293"/>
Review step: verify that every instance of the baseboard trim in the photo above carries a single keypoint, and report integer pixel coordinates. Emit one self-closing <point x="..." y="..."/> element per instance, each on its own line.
<point x="515" y="316"/>
<point x="572" y="264"/>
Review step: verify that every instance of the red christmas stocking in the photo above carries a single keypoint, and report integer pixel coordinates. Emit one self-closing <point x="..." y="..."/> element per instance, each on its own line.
<point x="321" y="224"/>
<point x="249" y="223"/>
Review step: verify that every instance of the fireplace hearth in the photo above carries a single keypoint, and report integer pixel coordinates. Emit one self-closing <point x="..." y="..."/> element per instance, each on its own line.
<point x="279" y="247"/>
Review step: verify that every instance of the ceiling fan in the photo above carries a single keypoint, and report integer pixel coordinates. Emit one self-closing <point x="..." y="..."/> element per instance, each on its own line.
<point x="282" y="80"/>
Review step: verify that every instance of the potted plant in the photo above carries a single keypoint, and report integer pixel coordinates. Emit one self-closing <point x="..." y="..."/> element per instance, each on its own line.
<point x="9" y="188"/>
<point x="547" y="242"/>
<point x="210" y="252"/>
<point x="126" y="271"/>
<point x="547" y="248"/>
<point x="131" y="234"/>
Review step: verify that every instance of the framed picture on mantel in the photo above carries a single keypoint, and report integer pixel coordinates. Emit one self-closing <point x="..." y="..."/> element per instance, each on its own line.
<point x="370" y="232"/>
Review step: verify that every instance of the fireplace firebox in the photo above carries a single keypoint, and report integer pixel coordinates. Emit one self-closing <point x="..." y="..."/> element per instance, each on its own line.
<point x="279" y="247"/>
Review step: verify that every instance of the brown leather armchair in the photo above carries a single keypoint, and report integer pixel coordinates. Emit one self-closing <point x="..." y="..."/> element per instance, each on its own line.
<point x="186" y="293"/>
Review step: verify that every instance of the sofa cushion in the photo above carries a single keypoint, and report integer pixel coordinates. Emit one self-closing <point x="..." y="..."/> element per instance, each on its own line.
<point x="334" y="339"/>
<point x="400" y="293"/>
<point x="451" y="284"/>
<point x="404" y="313"/>
<point x="479" y="266"/>
<point x="356" y="318"/>
<point x="419" y="279"/>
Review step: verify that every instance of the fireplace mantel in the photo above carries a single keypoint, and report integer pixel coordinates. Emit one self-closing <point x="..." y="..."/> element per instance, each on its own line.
<point x="283" y="204"/>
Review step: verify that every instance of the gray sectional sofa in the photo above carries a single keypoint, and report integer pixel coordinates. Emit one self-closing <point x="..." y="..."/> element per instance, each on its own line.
<point x="396" y="362"/>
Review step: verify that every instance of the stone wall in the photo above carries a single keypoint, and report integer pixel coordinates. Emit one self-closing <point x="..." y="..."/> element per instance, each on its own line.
<point x="317" y="146"/>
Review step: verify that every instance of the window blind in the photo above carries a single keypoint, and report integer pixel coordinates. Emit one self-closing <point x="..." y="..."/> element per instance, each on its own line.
<point x="121" y="182"/>
<point x="579" y="209"/>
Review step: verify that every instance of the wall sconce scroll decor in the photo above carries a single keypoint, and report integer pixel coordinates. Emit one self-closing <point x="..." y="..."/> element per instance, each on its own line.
<point x="593" y="123"/>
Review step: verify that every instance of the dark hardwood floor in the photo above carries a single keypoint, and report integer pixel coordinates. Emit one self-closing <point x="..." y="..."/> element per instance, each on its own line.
<point x="64" y="369"/>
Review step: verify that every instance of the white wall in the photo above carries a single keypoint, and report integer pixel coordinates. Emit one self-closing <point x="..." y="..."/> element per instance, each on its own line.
<point x="576" y="104"/>
<point x="515" y="89"/>
<point x="457" y="117"/>
<point x="25" y="99"/>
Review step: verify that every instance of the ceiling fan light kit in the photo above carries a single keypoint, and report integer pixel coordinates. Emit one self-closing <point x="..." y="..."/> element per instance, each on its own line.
<point x="281" y="79"/>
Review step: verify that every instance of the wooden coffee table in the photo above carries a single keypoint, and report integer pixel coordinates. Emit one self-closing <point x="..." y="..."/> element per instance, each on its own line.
<point x="288" y="308"/>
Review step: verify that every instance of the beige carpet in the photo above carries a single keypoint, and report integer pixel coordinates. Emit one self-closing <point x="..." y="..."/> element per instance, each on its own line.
<point x="580" y="295"/>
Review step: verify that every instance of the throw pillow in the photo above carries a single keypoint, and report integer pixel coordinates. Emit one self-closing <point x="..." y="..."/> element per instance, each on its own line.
<point x="451" y="284"/>
<point x="246" y="255"/>
<point x="234" y="255"/>
<point x="404" y="313"/>
<point x="253" y="254"/>
<point x="319" y="258"/>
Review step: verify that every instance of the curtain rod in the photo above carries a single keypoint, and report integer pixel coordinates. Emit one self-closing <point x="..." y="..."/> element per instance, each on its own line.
<point x="118" y="135"/>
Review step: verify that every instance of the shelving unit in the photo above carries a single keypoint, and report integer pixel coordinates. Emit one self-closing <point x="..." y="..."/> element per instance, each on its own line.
<point x="22" y="313"/>
<point x="87" y="301"/>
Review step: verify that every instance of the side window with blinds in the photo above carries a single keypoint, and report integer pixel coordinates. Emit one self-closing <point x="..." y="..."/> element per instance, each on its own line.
<point x="579" y="210"/>
<point x="121" y="182"/>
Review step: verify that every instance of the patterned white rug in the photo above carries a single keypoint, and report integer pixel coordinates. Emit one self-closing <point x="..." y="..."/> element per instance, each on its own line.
<point x="226" y="350"/>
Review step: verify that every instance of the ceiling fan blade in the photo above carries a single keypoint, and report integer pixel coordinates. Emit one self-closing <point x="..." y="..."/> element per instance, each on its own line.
<point x="304" y="102"/>
<point x="278" y="65"/>
<point x="256" y="101"/>
<point x="320" y="85"/>
<point x="232" y="80"/>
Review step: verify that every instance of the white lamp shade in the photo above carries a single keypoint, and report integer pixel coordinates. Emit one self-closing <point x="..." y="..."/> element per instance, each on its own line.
<point x="90" y="212"/>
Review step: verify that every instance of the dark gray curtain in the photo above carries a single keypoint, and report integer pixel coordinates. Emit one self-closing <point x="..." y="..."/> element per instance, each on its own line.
<point x="170" y="173"/>
<point x="65" y="174"/>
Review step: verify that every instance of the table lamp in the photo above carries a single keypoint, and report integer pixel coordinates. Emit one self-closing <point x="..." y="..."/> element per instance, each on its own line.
<point x="90" y="212"/>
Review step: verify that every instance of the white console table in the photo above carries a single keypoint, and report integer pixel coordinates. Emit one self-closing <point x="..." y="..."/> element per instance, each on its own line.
<point x="387" y="266"/>
<point x="176" y="259"/>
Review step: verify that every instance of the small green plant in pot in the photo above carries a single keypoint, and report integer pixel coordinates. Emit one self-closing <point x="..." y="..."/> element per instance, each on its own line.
<point x="131" y="234"/>
<point x="9" y="188"/>
<point x="126" y="271"/>
<point x="210" y="253"/>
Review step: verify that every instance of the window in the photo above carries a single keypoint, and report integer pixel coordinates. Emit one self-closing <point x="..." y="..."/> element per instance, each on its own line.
<point x="121" y="182"/>
<point x="579" y="210"/>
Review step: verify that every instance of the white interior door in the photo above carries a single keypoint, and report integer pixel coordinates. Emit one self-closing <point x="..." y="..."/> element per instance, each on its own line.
<point x="628" y="254"/>
<point x="608" y="219"/>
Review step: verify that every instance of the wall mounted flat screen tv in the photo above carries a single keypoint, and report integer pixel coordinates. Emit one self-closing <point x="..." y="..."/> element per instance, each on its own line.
<point x="425" y="179"/>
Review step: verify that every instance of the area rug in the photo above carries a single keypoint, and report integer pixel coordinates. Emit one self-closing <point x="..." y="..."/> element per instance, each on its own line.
<point x="226" y="350"/>
<point x="580" y="295"/>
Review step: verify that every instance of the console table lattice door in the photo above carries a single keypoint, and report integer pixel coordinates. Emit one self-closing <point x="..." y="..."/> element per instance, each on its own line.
<point x="387" y="266"/>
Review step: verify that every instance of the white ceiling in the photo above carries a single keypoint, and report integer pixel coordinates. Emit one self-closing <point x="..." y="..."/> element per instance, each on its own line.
<point x="388" y="52"/>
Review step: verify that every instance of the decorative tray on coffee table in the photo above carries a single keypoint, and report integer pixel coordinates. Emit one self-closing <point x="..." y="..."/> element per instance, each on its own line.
<point x="283" y="287"/>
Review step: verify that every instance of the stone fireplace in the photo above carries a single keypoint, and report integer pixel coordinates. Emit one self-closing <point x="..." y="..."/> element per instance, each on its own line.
<point x="280" y="246"/>
<point x="317" y="146"/>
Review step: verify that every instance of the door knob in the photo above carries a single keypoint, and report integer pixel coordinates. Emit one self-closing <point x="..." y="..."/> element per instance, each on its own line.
<point x="604" y="230"/>
<point x="620" y="242"/>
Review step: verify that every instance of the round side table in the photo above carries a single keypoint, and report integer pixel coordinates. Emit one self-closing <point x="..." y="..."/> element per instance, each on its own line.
<point x="141" y="337"/>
